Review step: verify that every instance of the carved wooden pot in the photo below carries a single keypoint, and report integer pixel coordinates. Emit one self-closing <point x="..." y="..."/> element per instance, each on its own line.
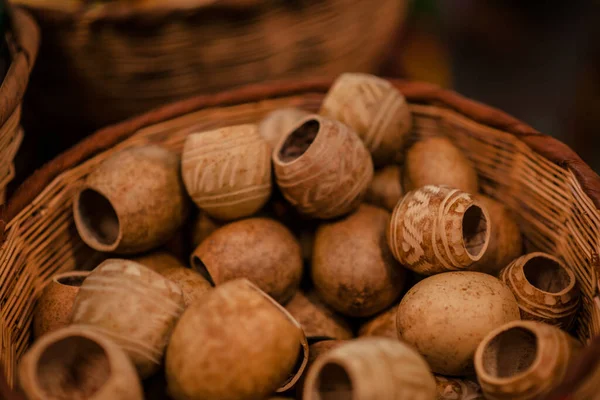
<point x="279" y="122"/>
<point x="382" y="325"/>
<point x="353" y="270"/>
<point x="133" y="306"/>
<point x="318" y="161"/>
<point x="545" y="288"/>
<point x="375" y="109"/>
<point x="386" y="188"/>
<point x="227" y="171"/>
<point x="132" y="202"/>
<point x="54" y="307"/>
<point x="457" y="389"/>
<point x="370" y="369"/>
<point x="238" y="343"/>
<point x="259" y="249"/>
<point x="78" y="363"/>
<point x="436" y="229"/>
<point x="523" y="360"/>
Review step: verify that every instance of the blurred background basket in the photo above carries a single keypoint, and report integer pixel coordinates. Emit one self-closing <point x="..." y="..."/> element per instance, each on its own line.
<point x="554" y="194"/>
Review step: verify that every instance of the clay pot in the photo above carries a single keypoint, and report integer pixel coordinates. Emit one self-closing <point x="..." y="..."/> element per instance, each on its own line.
<point x="192" y="284"/>
<point x="279" y="122"/>
<point x="322" y="168"/>
<point x="545" y="288"/>
<point x="78" y="363"/>
<point x="227" y="171"/>
<point x="259" y="249"/>
<point x="437" y="229"/>
<point x="54" y="307"/>
<point x="317" y="321"/>
<point x="382" y="325"/>
<point x="132" y="202"/>
<point x="506" y="242"/>
<point x="315" y="351"/>
<point x="386" y="189"/>
<point x="375" y="109"/>
<point x="445" y="316"/>
<point x="523" y="360"/>
<point x="202" y="227"/>
<point x="353" y="270"/>
<point x="237" y="343"/>
<point x="436" y="161"/>
<point x="133" y="306"/>
<point x="370" y="369"/>
<point x="457" y="389"/>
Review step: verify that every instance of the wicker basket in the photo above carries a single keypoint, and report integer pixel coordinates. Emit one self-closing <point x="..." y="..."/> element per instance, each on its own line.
<point x="23" y="46"/>
<point x="555" y="195"/>
<point x="103" y="63"/>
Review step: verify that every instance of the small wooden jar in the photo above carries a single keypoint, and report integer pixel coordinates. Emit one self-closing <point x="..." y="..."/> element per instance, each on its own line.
<point x="545" y="288"/>
<point x="370" y="369"/>
<point x="279" y="122"/>
<point x="259" y="249"/>
<point x="523" y="360"/>
<point x="227" y="171"/>
<point x="78" y="363"/>
<point x="133" y="306"/>
<point x="54" y="307"/>
<point x="353" y="269"/>
<point x="322" y="167"/>
<point x="386" y="188"/>
<point x="375" y="109"/>
<point x="382" y="325"/>
<point x="457" y="389"/>
<point x="238" y="343"/>
<point x="436" y="229"/>
<point x="132" y="202"/>
<point x="436" y="161"/>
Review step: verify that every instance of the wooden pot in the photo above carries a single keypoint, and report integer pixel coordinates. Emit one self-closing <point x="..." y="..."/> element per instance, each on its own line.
<point x="235" y="322"/>
<point x="436" y="161"/>
<point x="315" y="351"/>
<point x="386" y="188"/>
<point x="375" y="109"/>
<point x="436" y="229"/>
<point x="227" y="171"/>
<point x="457" y="389"/>
<point x="278" y="123"/>
<point x="523" y="360"/>
<point x="192" y="284"/>
<point x="545" y="288"/>
<point x="54" y="307"/>
<point x="382" y="325"/>
<point x="78" y="363"/>
<point x="353" y="269"/>
<point x="317" y="161"/>
<point x="370" y="369"/>
<point x="259" y="249"/>
<point x="133" y="306"/>
<point x="132" y="202"/>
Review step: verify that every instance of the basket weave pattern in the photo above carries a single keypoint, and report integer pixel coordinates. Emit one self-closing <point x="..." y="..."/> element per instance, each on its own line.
<point x="554" y="194"/>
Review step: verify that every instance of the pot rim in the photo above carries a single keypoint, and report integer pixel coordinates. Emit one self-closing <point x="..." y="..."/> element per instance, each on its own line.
<point x="488" y="230"/>
<point x="528" y="257"/>
<point x="310" y="149"/>
<point x="68" y="274"/>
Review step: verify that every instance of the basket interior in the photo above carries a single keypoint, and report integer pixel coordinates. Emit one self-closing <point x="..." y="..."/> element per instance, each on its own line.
<point x="554" y="213"/>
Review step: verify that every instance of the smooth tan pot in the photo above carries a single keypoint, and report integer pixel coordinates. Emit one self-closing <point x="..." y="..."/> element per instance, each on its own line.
<point x="457" y="389"/>
<point x="375" y="109"/>
<point x="386" y="188"/>
<point x="436" y="161"/>
<point x="133" y="306"/>
<point x="132" y="202"/>
<point x="523" y="360"/>
<point x="238" y="343"/>
<point x="78" y="363"/>
<point x="545" y="288"/>
<point x="317" y="321"/>
<point x="370" y="369"/>
<point x="436" y="229"/>
<point x="261" y="250"/>
<point x="353" y="269"/>
<point x="382" y="325"/>
<point x="227" y="171"/>
<point x="192" y="284"/>
<point x="54" y="307"/>
<point x="279" y="122"/>
<point x="322" y="168"/>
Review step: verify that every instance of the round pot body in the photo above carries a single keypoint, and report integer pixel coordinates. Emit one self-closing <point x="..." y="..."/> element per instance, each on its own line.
<point x="279" y="122"/>
<point x="382" y="325"/>
<point x="132" y="202"/>
<point x="386" y="188"/>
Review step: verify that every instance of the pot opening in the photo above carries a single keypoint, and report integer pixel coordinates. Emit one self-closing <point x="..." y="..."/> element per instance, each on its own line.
<point x="72" y="368"/>
<point x="72" y="280"/>
<point x="98" y="217"/>
<point x="299" y="140"/>
<point x="546" y="274"/>
<point x="200" y="267"/>
<point x="333" y="383"/>
<point x="475" y="230"/>
<point x="510" y="353"/>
